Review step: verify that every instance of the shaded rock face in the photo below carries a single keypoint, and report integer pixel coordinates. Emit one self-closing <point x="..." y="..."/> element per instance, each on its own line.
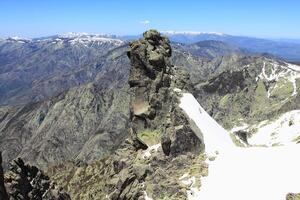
<point x="26" y="182"/>
<point x="154" y="104"/>
<point x="3" y="194"/>
<point x="83" y="123"/>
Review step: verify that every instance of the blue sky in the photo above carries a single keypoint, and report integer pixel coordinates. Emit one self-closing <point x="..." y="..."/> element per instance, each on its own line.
<point x="260" y="18"/>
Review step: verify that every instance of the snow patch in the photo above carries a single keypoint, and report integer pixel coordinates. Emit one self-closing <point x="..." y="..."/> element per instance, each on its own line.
<point x="293" y="67"/>
<point x="146" y="197"/>
<point x="215" y="137"/>
<point x="239" y="128"/>
<point x="148" y="152"/>
<point x="190" y="182"/>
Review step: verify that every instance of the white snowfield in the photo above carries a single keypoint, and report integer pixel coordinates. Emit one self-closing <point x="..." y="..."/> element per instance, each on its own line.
<point x="256" y="173"/>
<point x="74" y="39"/>
<point x="84" y="38"/>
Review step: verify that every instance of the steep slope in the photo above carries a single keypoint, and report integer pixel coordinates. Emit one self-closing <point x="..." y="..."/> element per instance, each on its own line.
<point x="215" y="136"/>
<point x="82" y="123"/>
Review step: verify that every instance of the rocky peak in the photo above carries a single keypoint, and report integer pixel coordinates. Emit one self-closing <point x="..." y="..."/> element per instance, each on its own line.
<point x="154" y="108"/>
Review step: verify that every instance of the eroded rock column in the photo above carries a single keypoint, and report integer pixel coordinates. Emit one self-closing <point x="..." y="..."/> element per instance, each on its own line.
<point x="155" y="115"/>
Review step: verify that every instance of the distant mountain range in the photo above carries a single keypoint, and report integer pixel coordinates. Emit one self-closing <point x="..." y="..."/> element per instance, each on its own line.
<point x="285" y="49"/>
<point x="34" y="69"/>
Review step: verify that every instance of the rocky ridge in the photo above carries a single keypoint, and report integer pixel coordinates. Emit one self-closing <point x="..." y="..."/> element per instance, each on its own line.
<point x="162" y="145"/>
<point x="156" y="120"/>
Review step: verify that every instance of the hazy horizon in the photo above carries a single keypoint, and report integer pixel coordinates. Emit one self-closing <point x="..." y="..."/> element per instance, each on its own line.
<point x="262" y="19"/>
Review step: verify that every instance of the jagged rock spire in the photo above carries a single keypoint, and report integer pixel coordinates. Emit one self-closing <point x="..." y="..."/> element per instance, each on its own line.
<point x="149" y="79"/>
<point x="154" y="103"/>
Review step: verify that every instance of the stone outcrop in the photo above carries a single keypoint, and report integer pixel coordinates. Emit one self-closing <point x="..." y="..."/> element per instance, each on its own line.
<point x="26" y="182"/>
<point x="154" y="103"/>
<point x="3" y="194"/>
<point x="155" y="116"/>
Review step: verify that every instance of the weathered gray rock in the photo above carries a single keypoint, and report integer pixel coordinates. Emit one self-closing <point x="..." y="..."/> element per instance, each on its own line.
<point x="154" y="104"/>
<point x="129" y="182"/>
<point x="26" y="182"/>
<point x="3" y="193"/>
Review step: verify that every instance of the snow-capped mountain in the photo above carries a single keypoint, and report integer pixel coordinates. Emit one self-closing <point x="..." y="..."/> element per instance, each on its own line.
<point x="26" y="64"/>
<point x="172" y="33"/>
<point x="73" y="39"/>
<point x="84" y="38"/>
<point x="285" y="49"/>
<point x="18" y="39"/>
